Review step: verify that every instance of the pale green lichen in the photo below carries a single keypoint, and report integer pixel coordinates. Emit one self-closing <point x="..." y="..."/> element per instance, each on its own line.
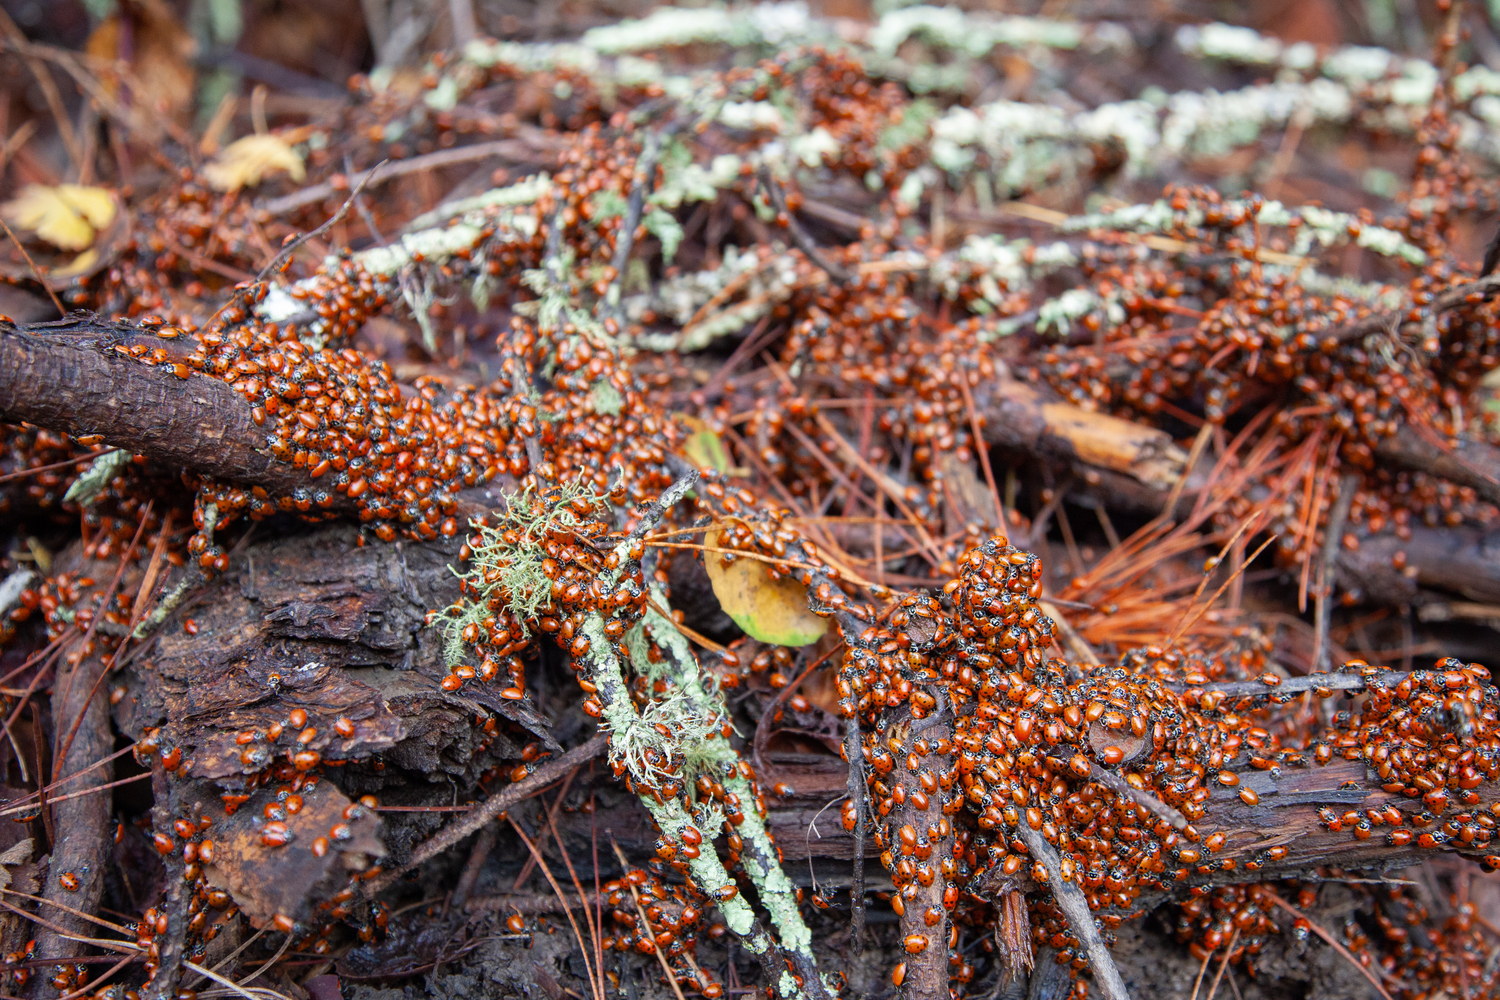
<point x="506" y="561"/>
<point x="665" y="227"/>
<point x="1062" y="312"/>
<point x="1319" y="227"/>
<point x="605" y="398"/>
<point x="556" y="306"/>
<point x="663" y="740"/>
<point x="95" y="479"/>
<point x="1000" y="266"/>
<point x="759" y="859"/>
<point x="408" y="265"/>
<point x="14" y="585"/>
<point x="765" y="283"/>
<point x="684" y="181"/>
<point x="169" y="603"/>
<point x="973" y="35"/>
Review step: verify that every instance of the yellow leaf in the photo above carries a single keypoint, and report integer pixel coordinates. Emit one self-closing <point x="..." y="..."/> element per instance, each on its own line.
<point x="81" y="264"/>
<point x="773" y="611"/>
<point x="244" y="162"/>
<point x="67" y="216"/>
<point x="703" y="448"/>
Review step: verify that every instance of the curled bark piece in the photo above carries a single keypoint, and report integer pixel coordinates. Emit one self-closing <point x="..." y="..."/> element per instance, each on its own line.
<point x="1021" y="417"/>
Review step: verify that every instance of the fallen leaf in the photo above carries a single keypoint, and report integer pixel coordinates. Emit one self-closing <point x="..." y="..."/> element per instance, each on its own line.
<point x="80" y="265"/>
<point x="773" y="611"/>
<point x="267" y="879"/>
<point x="245" y="162"/>
<point x="150" y="36"/>
<point x="703" y="447"/>
<point x="67" y="216"/>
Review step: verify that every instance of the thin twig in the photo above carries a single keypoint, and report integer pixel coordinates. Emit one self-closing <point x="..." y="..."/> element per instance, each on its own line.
<point x="1139" y="796"/>
<point x="26" y="807"/>
<point x="1198" y="983"/>
<point x="854" y="751"/>
<point x="36" y="272"/>
<point x="84" y="991"/>
<point x="646" y="924"/>
<point x="567" y="910"/>
<point x="645" y="180"/>
<point x="1332" y="541"/>
<point x="594" y="933"/>
<point x="483" y="845"/>
<point x="1328" y="938"/>
<point x="67" y="909"/>
<point x="804" y="242"/>
<point x="1190" y="622"/>
<point x="75" y="460"/>
<point x="1234" y="938"/>
<point x="50" y="93"/>
<point x="541" y="837"/>
<point x="492" y="807"/>
<point x="296" y="244"/>
<point x="980" y="446"/>
<point x="1199" y="443"/>
<point x="67" y="743"/>
<point x="510" y="149"/>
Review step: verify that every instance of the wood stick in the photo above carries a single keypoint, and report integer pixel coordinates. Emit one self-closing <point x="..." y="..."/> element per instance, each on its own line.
<point x="1075" y="907"/>
<point x="1332" y="543"/>
<point x="492" y="807"/>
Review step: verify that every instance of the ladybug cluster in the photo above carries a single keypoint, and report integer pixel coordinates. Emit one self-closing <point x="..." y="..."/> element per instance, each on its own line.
<point x="650" y="916"/>
<point x="972" y="732"/>
<point x="1432" y="737"/>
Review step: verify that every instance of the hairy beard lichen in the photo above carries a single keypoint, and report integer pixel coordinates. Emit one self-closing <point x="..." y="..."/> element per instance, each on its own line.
<point x="506" y="561"/>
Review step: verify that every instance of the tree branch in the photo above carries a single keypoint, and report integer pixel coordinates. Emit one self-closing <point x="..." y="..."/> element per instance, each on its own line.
<point x="67" y="376"/>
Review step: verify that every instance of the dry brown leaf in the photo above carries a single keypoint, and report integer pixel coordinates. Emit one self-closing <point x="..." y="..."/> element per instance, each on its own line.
<point x="67" y="216"/>
<point x="160" y="51"/>
<point x="245" y="162"/>
<point x="292" y="878"/>
<point x="770" y="610"/>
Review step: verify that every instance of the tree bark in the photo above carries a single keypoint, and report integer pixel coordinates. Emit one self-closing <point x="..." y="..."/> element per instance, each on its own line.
<point x="68" y="377"/>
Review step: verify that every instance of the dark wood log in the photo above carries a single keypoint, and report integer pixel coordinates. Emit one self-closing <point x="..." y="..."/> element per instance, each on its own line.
<point x="317" y="597"/>
<point x="315" y="621"/>
<point x="1464" y="462"/>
